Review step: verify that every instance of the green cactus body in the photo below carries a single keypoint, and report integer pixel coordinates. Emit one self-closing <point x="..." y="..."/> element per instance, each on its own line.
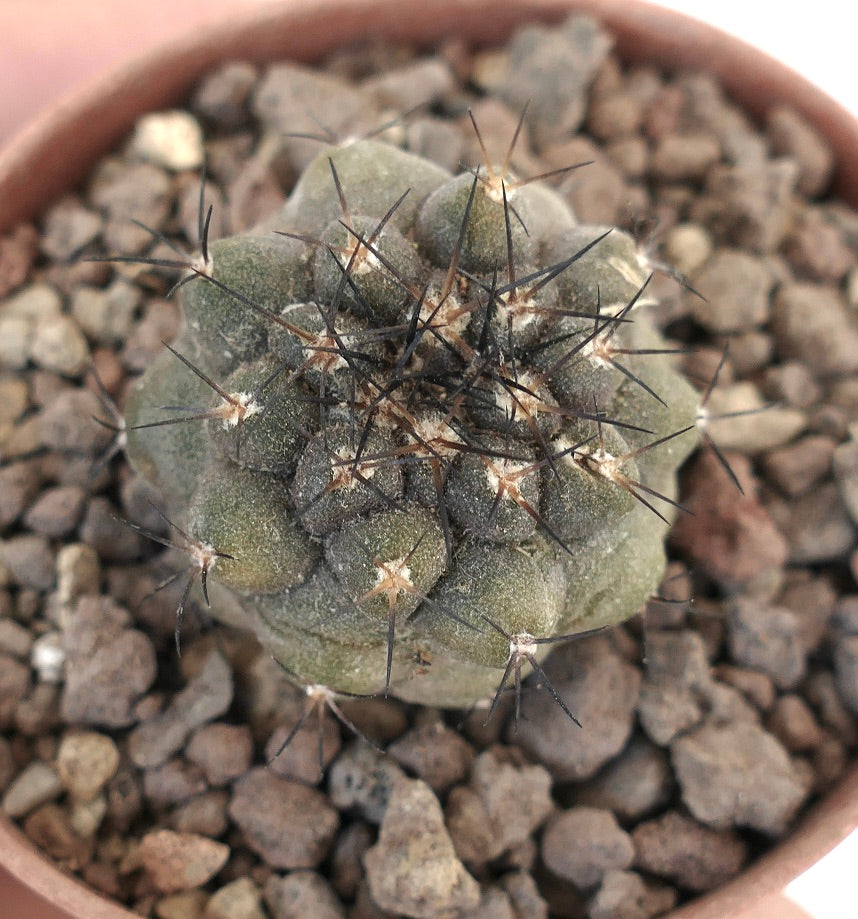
<point x="406" y="432"/>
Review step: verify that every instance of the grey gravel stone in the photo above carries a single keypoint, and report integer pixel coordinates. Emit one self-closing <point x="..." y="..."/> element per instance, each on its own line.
<point x="206" y="696"/>
<point x="846" y="670"/>
<point x="68" y="228"/>
<point x="300" y="894"/>
<point x="551" y="69"/>
<point x="798" y="466"/>
<point x="636" y="783"/>
<point x="281" y="103"/>
<point x="625" y="895"/>
<point x="35" y="785"/>
<point x="736" y="287"/>
<point x="508" y="799"/>
<point x="109" y="665"/>
<point x="223" y="96"/>
<point x="417" y="875"/>
<point x="767" y="638"/>
<point x="676" y="684"/>
<point x="792" y="135"/>
<point x="582" y="843"/>
<point x="19" y="484"/>
<point x="423" y="82"/>
<point x="263" y="805"/>
<point x="738" y="774"/>
<point x="29" y="559"/>
<point x="361" y="779"/>
<point x="845" y="464"/>
<point x="601" y="689"/>
<point x="832" y="347"/>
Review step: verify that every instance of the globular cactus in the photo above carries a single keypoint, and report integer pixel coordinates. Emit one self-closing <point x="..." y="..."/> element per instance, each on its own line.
<point x="420" y="433"/>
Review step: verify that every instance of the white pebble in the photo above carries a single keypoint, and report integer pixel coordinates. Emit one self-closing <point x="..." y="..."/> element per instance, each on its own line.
<point x="170" y="139"/>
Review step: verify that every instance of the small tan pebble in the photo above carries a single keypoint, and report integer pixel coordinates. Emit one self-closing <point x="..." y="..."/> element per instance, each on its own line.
<point x="36" y="785"/>
<point x="59" y="345"/>
<point x="85" y="817"/>
<point x="78" y="572"/>
<point x="86" y="762"/>
<point x="181" y="861"/>
<point x="240" y="899"/>
<point x="35" y="303"/>
<point x="16" y="334"/>
<point x="170" y="139"/>
<point x="687" y="246"/>
<point x="189" y="904"/>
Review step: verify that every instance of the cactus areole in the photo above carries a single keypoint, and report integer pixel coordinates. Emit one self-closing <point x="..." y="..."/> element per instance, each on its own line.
<point x="422" y="430"/>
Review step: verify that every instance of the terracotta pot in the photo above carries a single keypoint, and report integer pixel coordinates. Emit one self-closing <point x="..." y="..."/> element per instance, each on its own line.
<point x="57" y="150"/>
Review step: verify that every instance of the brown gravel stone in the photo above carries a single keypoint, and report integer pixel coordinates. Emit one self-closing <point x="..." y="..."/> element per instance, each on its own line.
<point x="181" y="861"/>
<point x="49" y="828"/>
<point x="437" y="754"/>
<point x="263" y="804"/>
<point x="299" y="759"/>
<point x="729" y="535"/>
<point x="347" y="858"/>
<point x="223" y="751"/>
<point x="582" y="843"/>
<point x="794" y="725"/>
<point x="17" y="253"/>
<point x="689" y="854"/>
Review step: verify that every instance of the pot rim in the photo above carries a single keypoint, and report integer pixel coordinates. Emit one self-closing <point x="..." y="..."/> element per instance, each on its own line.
<point x="62" y="144"/>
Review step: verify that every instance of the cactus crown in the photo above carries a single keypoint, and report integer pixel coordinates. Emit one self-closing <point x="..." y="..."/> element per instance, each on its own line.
<point x="421" y="432"/>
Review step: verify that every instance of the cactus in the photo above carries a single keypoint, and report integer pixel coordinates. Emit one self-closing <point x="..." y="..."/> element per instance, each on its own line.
<point x="420" y="434"/>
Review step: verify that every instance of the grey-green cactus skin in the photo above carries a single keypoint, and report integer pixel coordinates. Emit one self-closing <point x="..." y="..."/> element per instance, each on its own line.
<point x="429" y="452"/>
